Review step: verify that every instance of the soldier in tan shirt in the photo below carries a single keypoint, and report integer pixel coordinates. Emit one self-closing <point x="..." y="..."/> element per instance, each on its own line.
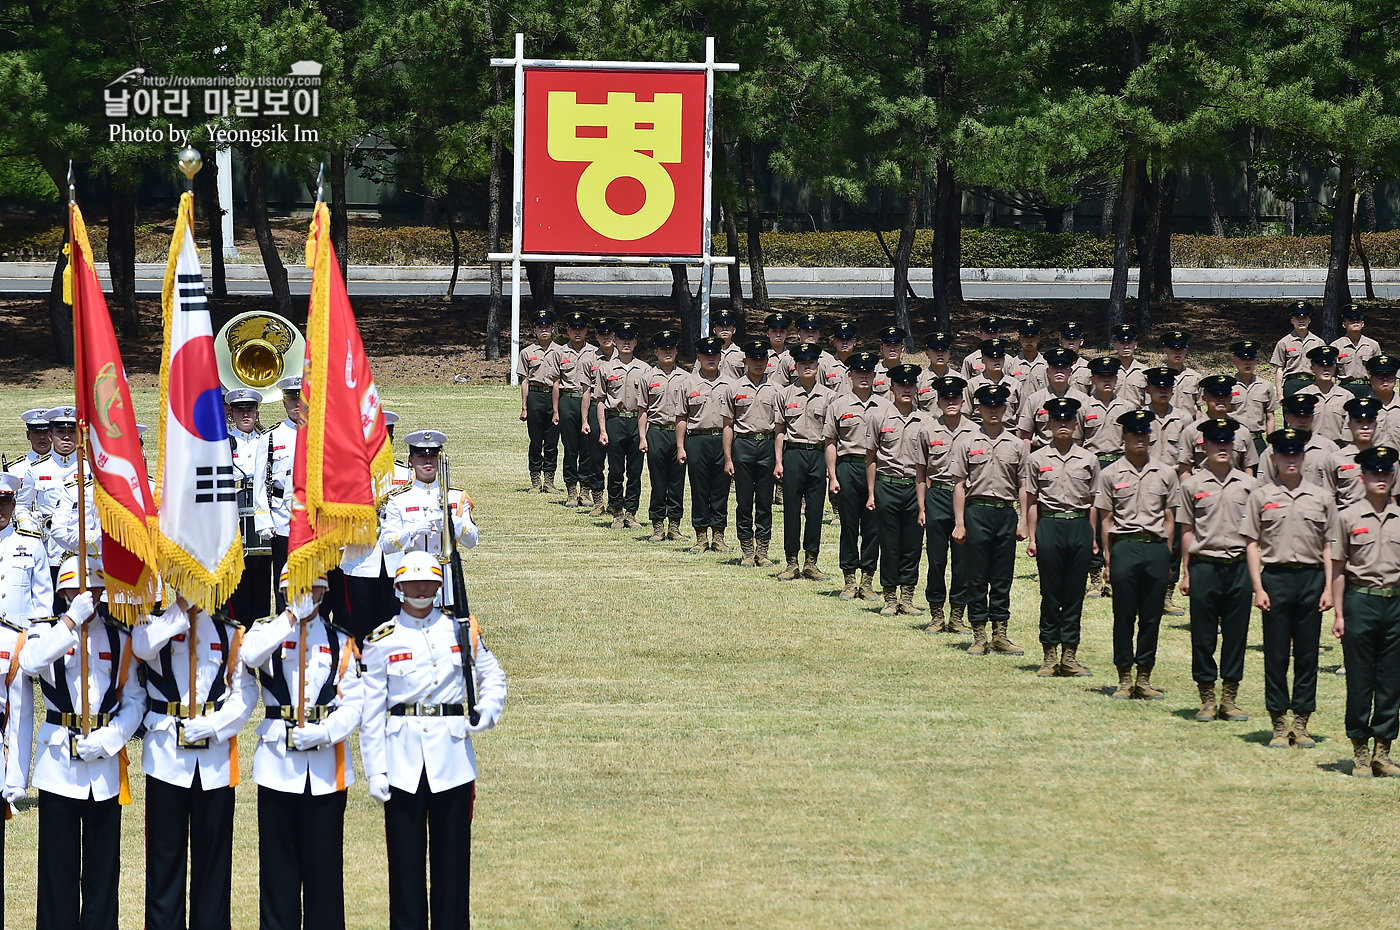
<point x="941" y="435"/>
<point x="939" y="349"/>
<point x="1353" y="352"/>
<point x="994" y="372"/>
<point x="1210" y="508"/>
<point x="1253" y="401"/>
<point x="1132" y="379"/>
<point x="1288" y="527"/>
<point x="1028" y="368"/>
<point x="1346" y="474"/>
<point x="989" y="484"/>
<point x="1186" y="389"/>
<point x="1060" y="490"/>
<point x="801" y="463"/>
<point x="847" y="438"/>
<point x="1290" y="359"/>
<point x="843" y="343"/>
<point x="751" y="412"/>
<point x="1317" y="465"/>
<point x="1035" y="424"/>
<point x="700" y="446"/>
<point x="989" y="327"/>
<point x="1132" y="517"/>
<point x="621" y="382"/>
<point x="724" y="323"/>
<point x="891" y="468"/>
<point x="570" y="375"/>
<point x="891" y="354"/>
<point x="537" y="406"/>
<point x="1383" y="369"/>
<point x="1330" y="418"/>
<point x="1217" y="393"/>
<point x="661" y="399"/>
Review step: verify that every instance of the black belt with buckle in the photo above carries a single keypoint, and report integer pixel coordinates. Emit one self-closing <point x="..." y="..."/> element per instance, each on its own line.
<point x="1217" y="560"/>
<point x="1140" y="537"/>
<point x="668" y="427"/>
<point x="1293" y="567"/>
<point x="564" y="393"/>
<point x="1373" y="592"/>
<point x="625" y="414"/>
<point x="74" y="721"/>
<point x="427" y="710"/>
<point x="851" y="458"/>
<point x="755" y="437"/>
<point x="941" y="485"/>
<point x="890" y="479"/>
<point x="809" y="446"/>
<point x="315" y="713"/>
<point x="181" y="710"/>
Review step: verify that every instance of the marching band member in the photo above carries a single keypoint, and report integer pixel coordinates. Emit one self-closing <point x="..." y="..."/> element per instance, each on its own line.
<point x="412" y="520"/>
<point x="253" y="597"/>
<point x="272" y="479"/>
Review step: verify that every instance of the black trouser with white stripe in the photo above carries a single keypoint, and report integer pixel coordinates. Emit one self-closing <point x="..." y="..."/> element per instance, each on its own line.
<point x="438" y="826"/>
<point x="200" y="821"/>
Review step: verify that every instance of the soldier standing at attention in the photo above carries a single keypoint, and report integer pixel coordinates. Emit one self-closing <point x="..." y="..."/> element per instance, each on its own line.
<point x="570" y="375"/>
<point x="1132" y="378"/>
<point x="661" y="398"/>
<point x="778" y="325"/>
<point x="1072" y="338"/>
<point x="994" y="373"/>
<point x="619" y="410"/>
<point x="891" y="464"/>
<point x="1132" y="517"/>
<point x="1217" y="392"/>
<point x="990" y="470"/>
<point x="939" y="349"/>
<point x="1354" y="351"/>
<point x="801" y="464"/>
<point x="536" y="405"/>
<point x="847" y="438"/>
<point x="36" y="431"/>
<point x="751" y="411"/>
<point x="1382" y="369"/>
<point x="891" y="355"/>
<point x="1287" y="529"/>
<point x="1103" y="436"/>
<point x="1212" y="504"/>
<point x="1318" y="451"/>
<point x="945" y="426"/>
<point x="1252" y="400"/>
<point x="1035" y="425"/>
<point x="1167" y="425"/>
<point x="989" y="327"/>
<point x="1366" y="593"/>
<point x="1330" y="416"/>
<point x="416" y="745"/>
<point x="1346" y="474"/>
<point x="1028" y="368"/>
<point x="604" y="332"/>
<point x="272" y="485"/>
<point x="724" y="323"/>
<point x="809" y="331"/>
<point x="1186" y="388"/>
<point x="700" y="447"/>
<point x="843" y="341"/>
<point x="1060" y="486"/>
<point x="595" y="454"/>
<point x="1290" y="358"/>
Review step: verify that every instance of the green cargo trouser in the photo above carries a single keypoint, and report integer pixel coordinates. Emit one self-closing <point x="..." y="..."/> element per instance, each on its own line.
<point x="1371" y="645"/>
<point x="901" y="539"/>
<point x="624" y="461"/>
<point x="804" y="489"/>
<point x="543" y="431"/>
<point x="1292" y="626"/>
<point x="1295" y="382"/>
<point x="860" y="539"/>
<point x="667" y="475"/>
<point x="1138" y="572"/>
<point x="1221" y="599"/>
<point x="938" y="531"/>
<point x="1062" y="550"/>
<point x="570" y="425"/>
<point x="709" y="485"/>
<point x="753" y="487"/>
<point x="591" y="459"/>
<point x="991" y="560"/>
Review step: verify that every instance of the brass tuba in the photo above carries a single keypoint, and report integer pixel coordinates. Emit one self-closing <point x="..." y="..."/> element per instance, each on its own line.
<point x="258" y="349"/>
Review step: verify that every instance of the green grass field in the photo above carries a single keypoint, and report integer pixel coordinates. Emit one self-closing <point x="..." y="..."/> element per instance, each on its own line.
<point x="689" y="743"/>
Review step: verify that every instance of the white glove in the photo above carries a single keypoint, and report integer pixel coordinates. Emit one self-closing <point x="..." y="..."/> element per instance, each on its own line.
<point x="303" y="607"/>
<point x="379" y="788"/>
<point x="89" y="749"/>
<point x="82" y="608"/>
<point x="13" y="794"/>
<point x="425" y="527"/>
<point x="198" y="729"/>
<point x="264" y="535"/>
<point x="482" y="723"/>
<point x="311" y="736"/>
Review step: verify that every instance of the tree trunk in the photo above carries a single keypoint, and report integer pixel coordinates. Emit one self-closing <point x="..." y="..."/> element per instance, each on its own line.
<point x="1054" y="217"/>
<point x="1122" y="241"/>
<point x="60" y="315"/>
<point x="1156" y="250"/>
<point x="456" y="255"/>
<point x="1256" y="141"/>
<point x="1336" y="294"/>
<point x="1162" y="265"/>
<point x="731" y="244"/>
<point x="1217" y="228"/>
<point x="902" y="254"/>
<point x="947" y="246"/>
<point x="214" y="215"/>
<point x="758" y="283"/>
<point x="1067" y="219"/>
<point x="121" y="251"/>
<point x="1361" y="253"/>
<point x="1106" y="217"/>
<point x="541" y="275"/>
<point x="1367" y="220"/>
<point x="687" y="308"/>
<point x="272" y="261"/>
<point x="989" y="212"/>
<point x="826" y="214"/>
<point x="340" y="213"/>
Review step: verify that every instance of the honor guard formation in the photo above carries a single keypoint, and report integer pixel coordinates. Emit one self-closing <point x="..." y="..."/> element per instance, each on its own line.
<point x="371" y="649"/>
<point x="1125" y="480"/>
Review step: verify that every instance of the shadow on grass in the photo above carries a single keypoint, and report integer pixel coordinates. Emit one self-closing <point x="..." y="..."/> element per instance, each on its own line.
<point x="1188" y="713"/>
<point x="1261" y="737"/>
<point x="1340" y="767"/>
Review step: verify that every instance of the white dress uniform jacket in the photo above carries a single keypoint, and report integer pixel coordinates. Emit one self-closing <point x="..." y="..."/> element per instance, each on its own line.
<point x="167" y="677"/>
<point x="26" y="586"/>
<point x="20" y="467"/>
<point x="63" y="533"/>
<point x="17" y="712"/>
<point x="272" y="644"/>
<point x="50" y="488"/>
<point x="366" y="561"/>
<point x="413" y="522"/>
<point x="272" y="505"/>
<point x="109" y="691"/>
<point x="412" y="661"/>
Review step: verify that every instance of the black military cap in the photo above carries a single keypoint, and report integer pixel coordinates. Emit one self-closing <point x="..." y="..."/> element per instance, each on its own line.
<point x="1218" y="385"/>
<point x="1028" y="328"/>
<point x="666" y="339"/>
<point x="544" y="318"/>
<point x="807" y="352"/>
<point x="1161" y="376"/>
<point x="1062" y="408"/>
<point x="843" y="330"/>
<point x="1289" y="441"/>
<point x="710" y="345"/>
<point x="1300" y="405"/>
<point x="1378" y="458"/>
<point x="1353" y="312"/>
<point x="891" y="335"/>
<point x="1104" y="366"/>
<point x="862" y="360"/>
<point x="777" y="321"/>
<point x="1176" y="339"/>
<point x="724" y="317"/>
<point x="625" y="330"/>
<point x="1299" y="308"/>
<point x="1219" y="429"/>
<point x="1245" y="348"/>
<point x="1383" y="365"/>
<point x="1136" y="421"/>
<point x="576" y="320"/>
<point x="989" y="324"/>
<point x="604" y="325"/>
<point x="994" y="347"/>
<point x="938" y="342"/>
<point x="991" y="395"/>
<point x="809" y="321"/>
<point x="1323" y="355"/>
<point x="1060" y="357"/>
<point x="755" y="348"/>
<point x="949" y="386"/>
<point x="905" y="374"/>
<point x="1362" y="408"/>
<point x="1123" y="332"/>
<point x="1071" y="330"/>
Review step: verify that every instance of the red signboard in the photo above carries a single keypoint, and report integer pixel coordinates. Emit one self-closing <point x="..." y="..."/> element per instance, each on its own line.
<point x="614" y="162"/>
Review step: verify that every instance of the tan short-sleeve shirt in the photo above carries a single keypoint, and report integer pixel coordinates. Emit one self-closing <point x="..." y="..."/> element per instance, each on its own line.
<point x="1132" y="383"/>
<point x="1186" y="392"/>
<point x="896" y="438"/>
<point x="1035" y="419"/>
<point x="1013" y="402"/>
<point x="1388" y="423"/>
<point x="1253" y="405"/>
<point x="803" y="412"/>
<point x="573" y="369"/>
<point x="1352" y="358"/>
<point x="1166" y="434"/>
<point x="1063" y="482"/>
<point x="1215" y="508"/>
<point x="1291" y="527"/>
<point x="1291" y="353"/>
<point x="1193" y="449"/>
<point x="847" y="422"/>
<point x="751" y="408"/>
<point x="1033" y="375"/>
<point x="731" y="362"/>
<point x="1137" y="498"/>
<point x="1102" y="434"/>
<point x="1369" y="544"/>
<point x="702" y="401"/>
<point x="994" y="467"/>
<point x="1346" y="476"/>
<point x="1317" y="464"/>
<point x="622" y="384"/>
<point x="534" y="364"/>
<point x="661" y="392"/>
<point x="938" y="443"/>
<point x="1329" y="414"/>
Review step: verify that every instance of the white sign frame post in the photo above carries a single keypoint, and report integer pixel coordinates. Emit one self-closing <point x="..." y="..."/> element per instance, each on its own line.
<point x="515" y="256"/>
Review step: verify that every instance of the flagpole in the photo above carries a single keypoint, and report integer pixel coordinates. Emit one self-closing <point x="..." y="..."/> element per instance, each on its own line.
<point x="301" y="652"/>
<point x="190" y="162"/>
<point x="82" y="455"/>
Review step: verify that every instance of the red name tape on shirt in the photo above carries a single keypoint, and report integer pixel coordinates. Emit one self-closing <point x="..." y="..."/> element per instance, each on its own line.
<point x="278" y="448"/>
<point x="216" y="647"/>
<point x="1360" y="529"/>
<point x="935" y="442"/>
<point x="741" y="397"/>
<point x="457" y="648"/>
<point x="887" y="429"/>
<point x="1203" y="494"/>
<point x="791" y="406"/>
<point x="1346" y="467"/>
<point x="105" y="656"/>
<point x="1271" y="506"/>
<point x="1119" y="487"/>
<point x="696" y="394"/>
<point x="1043" y="412"/>
<point x="1045" y="468"/>
<point x="977" y="452"/>
<point x="411" y="509"/>
<point x="1092" y="416"/>
<point x="400" y="657"/>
